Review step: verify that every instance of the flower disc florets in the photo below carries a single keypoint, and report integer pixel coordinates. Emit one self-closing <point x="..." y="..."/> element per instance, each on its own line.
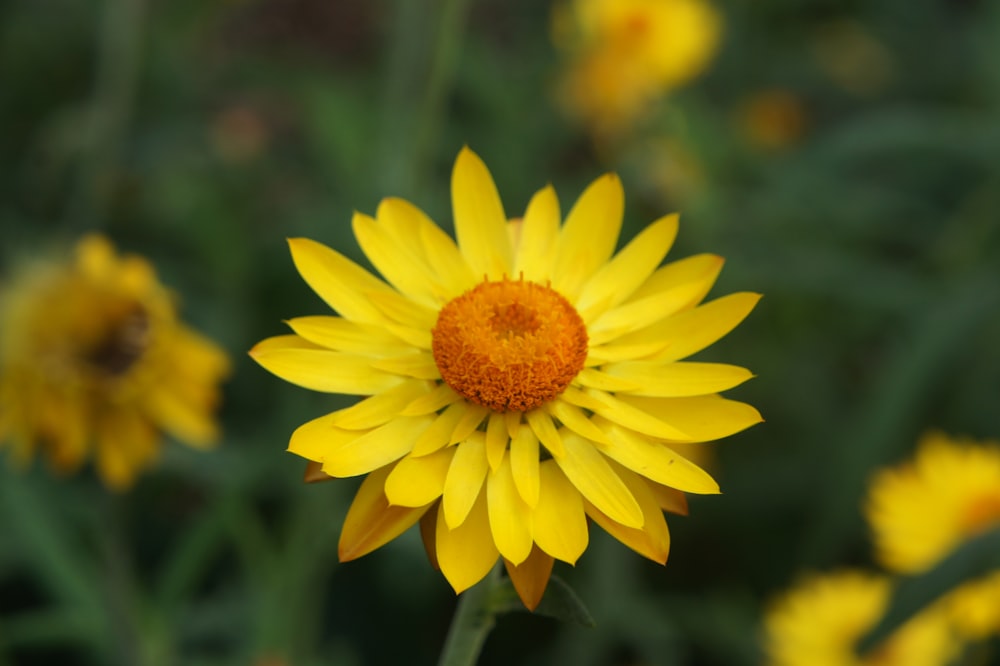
<point x="509" y="345"/>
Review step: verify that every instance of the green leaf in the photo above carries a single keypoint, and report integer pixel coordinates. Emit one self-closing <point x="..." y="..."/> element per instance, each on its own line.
<point x="971" y="560"/>
<point x="560" y="602"/>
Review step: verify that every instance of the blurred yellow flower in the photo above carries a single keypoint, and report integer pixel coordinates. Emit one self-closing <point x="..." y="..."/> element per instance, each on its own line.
<point x="94" y="364"/>
<point x="920" y="511"/>
<point x="624" y="54"/>
<point x="521" y="381"/>
<point x="818" y="623"/>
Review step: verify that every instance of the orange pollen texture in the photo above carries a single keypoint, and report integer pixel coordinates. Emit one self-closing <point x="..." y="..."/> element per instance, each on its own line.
<point x="509" y="345"/>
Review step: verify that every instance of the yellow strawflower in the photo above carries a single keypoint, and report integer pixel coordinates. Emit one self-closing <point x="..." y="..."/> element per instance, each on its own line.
<point x="521" y="381"/>
<point x="922" y="510"/>
<point x="819" y="622"/>
<point x="623" y="55"/>
<point x="94" y="364"/>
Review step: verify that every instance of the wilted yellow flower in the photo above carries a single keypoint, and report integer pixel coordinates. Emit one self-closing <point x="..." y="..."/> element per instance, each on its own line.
<point x="625" y="54"/>
<point x="521" y="381"/>
<point x="920" y="511"/>
<point x="819" y="622"/>
<point x="95" y="364"/>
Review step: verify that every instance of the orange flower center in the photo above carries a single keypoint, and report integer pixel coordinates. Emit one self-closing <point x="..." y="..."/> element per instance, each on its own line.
<point x="509" y="345"/>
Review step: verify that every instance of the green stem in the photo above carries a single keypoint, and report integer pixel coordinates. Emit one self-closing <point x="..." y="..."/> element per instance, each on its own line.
<point x="474" y="619"/>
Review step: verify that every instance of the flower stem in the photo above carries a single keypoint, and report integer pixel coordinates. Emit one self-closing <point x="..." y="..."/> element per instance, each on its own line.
<point x="474" y="619"/>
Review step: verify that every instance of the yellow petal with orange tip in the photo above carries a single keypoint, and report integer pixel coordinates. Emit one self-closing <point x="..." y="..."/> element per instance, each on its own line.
<point x="480" y="223"/>
<point x="654" y="460"/>
<point x="428" y="533"/>
<point x="589" y="235"/>
<point x="464" y="480"/>
<point x="616" y="280"/>
<point x="531" y="577"/>
<point x="591" y="474"/>
<point x="375" y="448"/>
<point x="312" y="367"/>
<point x="337" y="280"/>
<point x="314" y="473"/>
<point x="370" y="522"/>
<point x="670" y="499"/>
<point x="539" y="234"/>
<point x="510" y="516"/>
<point x="417" y="481"/>
<point x="559" y="524"/>
<point x="467" y="552"/>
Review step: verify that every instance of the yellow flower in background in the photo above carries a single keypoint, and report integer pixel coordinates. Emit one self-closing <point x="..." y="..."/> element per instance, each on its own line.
<point x="819" y="622"/>
<point x="922" y="510"/>
<point x="625" y="54"/>
<point x="520" y="381"/>
<point x="94" y="365"/>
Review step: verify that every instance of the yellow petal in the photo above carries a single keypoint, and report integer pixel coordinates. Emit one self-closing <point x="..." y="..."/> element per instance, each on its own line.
<point x="382" y="407"/>
<point x="472" y="416"/>
<point x="375" y="448"/>
<point x="654" y="460"/>
<point x="524" y="464"/>
<point x="401" y="310"/>
<point x="688" y="332"/>
<point x="343" y="335"/>
<point x="314" y="473"/>
<point x="172" y="409"/>
<point x="539" y="234"/>
<point x="589" y="235"/>
<point x="594" y="477"/>
<point x="125" y="444"/>
<point x="338" y="280"/>
<point x="397" y="262"/>
<point x="420" y="365"/>
<point x="510" y="516"/>
<point x="559" y="524"/>
<point x="531" y="577"/>
<point x="480" y="223"/>
<point x="594" y="378"/>
<point x="629" y="416"/>
<point x="311" y="367"/>
<point x="371" y="522"/>
<point x="692" y="276"/>
<point x="466" y="553"/>
<point x="614" y="282"/>
<point x="439" y="398"/>
<point x="574" y="418"/>
<point x="464" y="480"/>
<point x="703" y="418"/>
<point x="418" y="481"/>
<point x="438" y="434"/>
<point x="674" y="380"/>
<point x="314" y="439"/>
<point x="428" y="534"/>
<point x="669" y="499"/>
<point x="513" y="421"/>
<point x="545" y="430"/>
<point x="653" y="539"/>
<point x="496" y="440"/>
<point x="407" y="224"/>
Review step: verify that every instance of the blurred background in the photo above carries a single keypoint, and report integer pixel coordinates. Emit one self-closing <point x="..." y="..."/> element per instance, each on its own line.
<point x="844" y="157"/>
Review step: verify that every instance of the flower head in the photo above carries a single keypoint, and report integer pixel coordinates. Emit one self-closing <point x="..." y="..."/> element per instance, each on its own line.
<point x="95" y="364"/>
<point x="625" y="54"/>
<point x="820" y="621"/>
<point x="520" y="381"/>
<point x="920" y="511"/>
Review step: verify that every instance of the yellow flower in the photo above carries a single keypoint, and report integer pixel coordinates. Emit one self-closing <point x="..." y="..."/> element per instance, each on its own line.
<point x="819" y="622"/>
<point x="920" y="511"/>
<point x="625" y="54"/>
<point x="94" y="363"/>
<point x="520" y="381"/>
